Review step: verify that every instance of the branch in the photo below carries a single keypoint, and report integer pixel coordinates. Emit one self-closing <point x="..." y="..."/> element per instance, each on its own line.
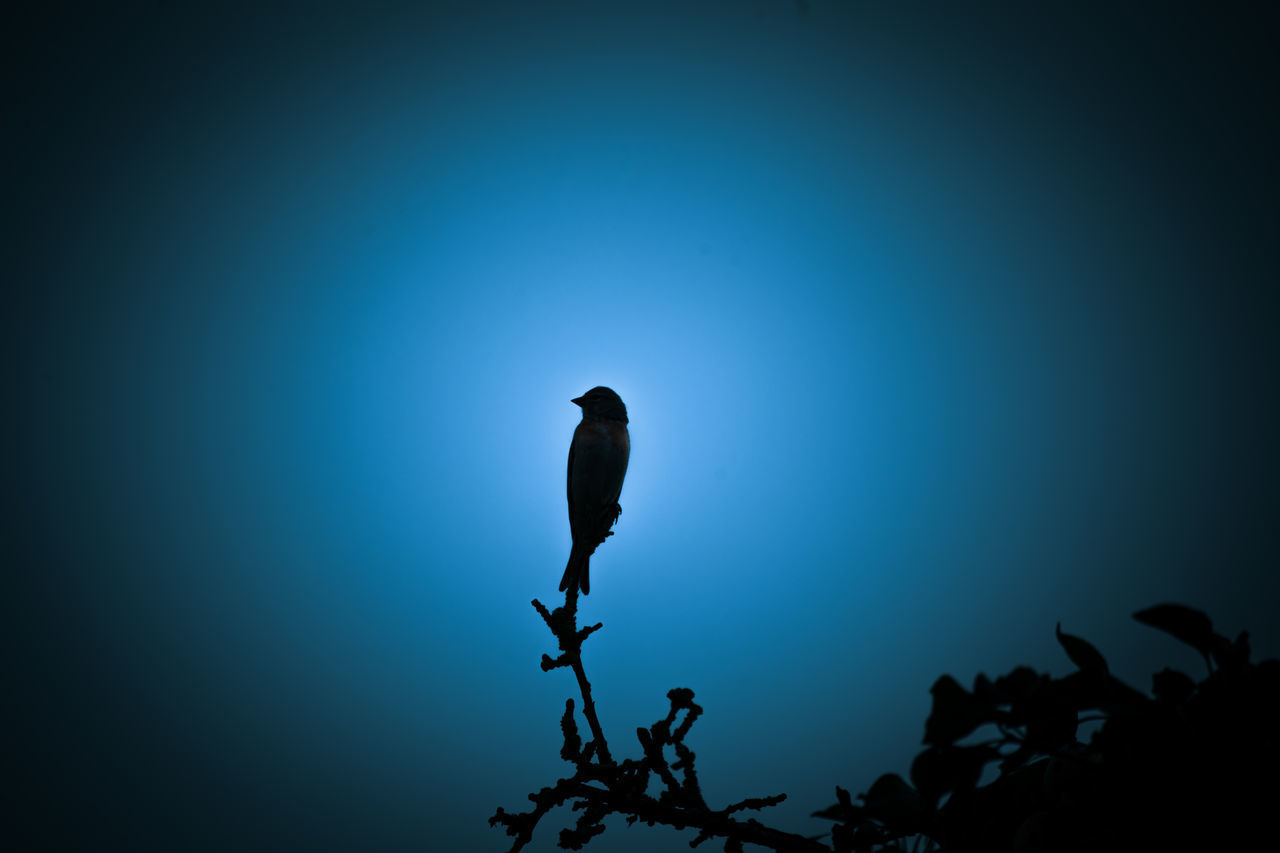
<point x="600" y="786"/>
<point x="563" y="623"/>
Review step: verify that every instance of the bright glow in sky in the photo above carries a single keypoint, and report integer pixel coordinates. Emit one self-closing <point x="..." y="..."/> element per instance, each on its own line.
<point x="934" y="330"/>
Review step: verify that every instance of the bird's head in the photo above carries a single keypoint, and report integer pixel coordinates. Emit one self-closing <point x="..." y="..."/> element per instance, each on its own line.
<point x="602" y="402"/>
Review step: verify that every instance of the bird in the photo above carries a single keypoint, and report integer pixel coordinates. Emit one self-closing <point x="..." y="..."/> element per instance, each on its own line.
<point x="598" y="457"/>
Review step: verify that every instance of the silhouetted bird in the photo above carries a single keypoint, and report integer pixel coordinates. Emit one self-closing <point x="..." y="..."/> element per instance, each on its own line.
<point x="597" y="464"/>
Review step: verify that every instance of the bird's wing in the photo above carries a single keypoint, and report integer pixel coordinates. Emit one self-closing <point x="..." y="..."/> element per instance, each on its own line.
<point x="621" y="441"/>
<point x="569" y="476"/>
<point x="599" y="465"/>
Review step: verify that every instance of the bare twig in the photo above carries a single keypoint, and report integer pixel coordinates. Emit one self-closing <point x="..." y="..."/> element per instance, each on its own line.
<point x="600" y="786"/>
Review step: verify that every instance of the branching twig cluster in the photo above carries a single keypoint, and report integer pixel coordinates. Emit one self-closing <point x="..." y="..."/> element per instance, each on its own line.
<point x="601" y="786"/>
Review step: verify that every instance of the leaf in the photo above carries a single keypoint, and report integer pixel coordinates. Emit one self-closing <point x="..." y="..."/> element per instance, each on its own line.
<point x="1052" y="731"/>
<point x="1015" y="760"/>
<point x="844" y="810"/>
<point x="1022" y="689"/>
<point x="1233" y="657"/>
<point x="1082" y="653"/>
<point x="987" y="693"/>
<point x="1018" y="791"/>
<point x="1018" y="684"/>
<point x="942" y="769"/>
<point x="1190" y="626"/>
<point x="1172" y="686"/>
<point x="893" y="802"/>
<point x="956" y="712"/>
<point x="1050" y="713"/>
<point x="1116" y="697"/>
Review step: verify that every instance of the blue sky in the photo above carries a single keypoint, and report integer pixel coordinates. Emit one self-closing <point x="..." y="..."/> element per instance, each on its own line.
<point x="936" y="327"/>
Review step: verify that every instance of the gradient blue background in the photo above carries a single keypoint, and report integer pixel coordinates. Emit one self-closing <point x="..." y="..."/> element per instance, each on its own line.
<point x="937" y="325"/>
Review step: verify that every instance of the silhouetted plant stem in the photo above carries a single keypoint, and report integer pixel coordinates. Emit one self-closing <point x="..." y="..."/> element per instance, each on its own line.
<point x="575" y="660"/>
<point x="589" y="711"/>
<point x="600" y="786"/>
<point x="563" y="623"/>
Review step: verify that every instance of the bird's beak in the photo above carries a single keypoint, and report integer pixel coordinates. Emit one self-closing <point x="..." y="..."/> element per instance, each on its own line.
<point x="577" y="401"/>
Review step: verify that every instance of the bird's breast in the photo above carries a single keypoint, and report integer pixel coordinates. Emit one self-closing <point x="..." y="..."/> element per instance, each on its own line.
<point x="600" y="446"/>
<point x="604" y="434"/>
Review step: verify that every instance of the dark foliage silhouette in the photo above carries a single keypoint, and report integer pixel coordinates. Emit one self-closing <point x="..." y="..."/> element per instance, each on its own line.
<point x="1190" y="767"/>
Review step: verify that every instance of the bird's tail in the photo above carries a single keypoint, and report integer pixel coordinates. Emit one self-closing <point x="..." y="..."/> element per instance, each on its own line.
<point x="576" y="572"/>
